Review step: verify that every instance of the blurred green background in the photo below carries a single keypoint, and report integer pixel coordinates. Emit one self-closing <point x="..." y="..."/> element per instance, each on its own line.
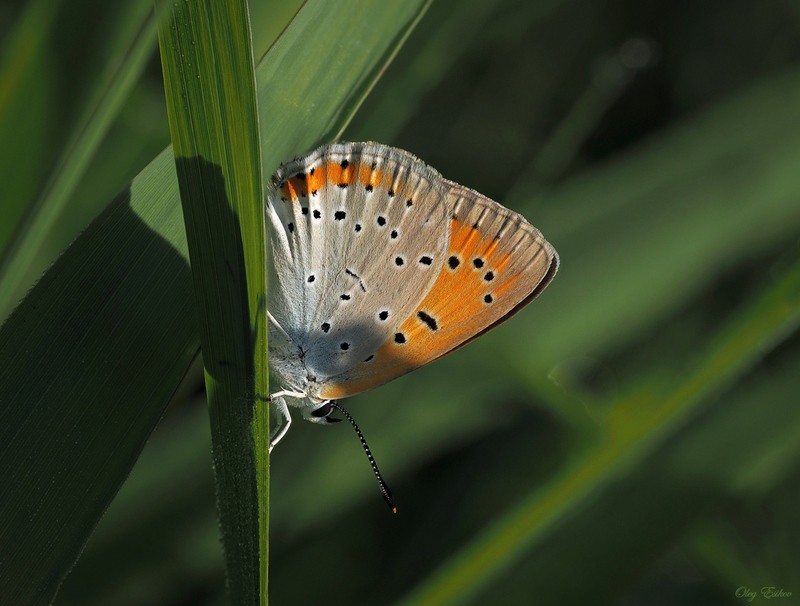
<point x="630" y="438"/>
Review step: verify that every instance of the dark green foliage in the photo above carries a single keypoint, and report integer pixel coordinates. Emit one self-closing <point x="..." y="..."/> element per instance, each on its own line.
<point x="633" y="436"/>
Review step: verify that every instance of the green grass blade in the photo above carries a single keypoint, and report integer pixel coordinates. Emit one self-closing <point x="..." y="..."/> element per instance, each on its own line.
<point x="268" y="20"/>
<point x="138" y="133"/>
<point x="25" y="90"/>
<point x="382" y="27"/>
<point x="449" y="31"/>
<point x="88" y="362"/>
<point x="636" y="426"/>
<point x="34" y="200"/>
<point x="128" y="544"/>
<point x="90" y="357"/>
<point x="209" y="80"/>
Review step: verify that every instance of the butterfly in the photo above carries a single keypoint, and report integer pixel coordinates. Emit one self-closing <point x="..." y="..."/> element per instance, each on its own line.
<point x="379" y="265"/>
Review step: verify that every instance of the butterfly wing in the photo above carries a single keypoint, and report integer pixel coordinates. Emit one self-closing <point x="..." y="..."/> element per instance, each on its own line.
<point x="356" y="237"/>
<point x="496" y="263"/>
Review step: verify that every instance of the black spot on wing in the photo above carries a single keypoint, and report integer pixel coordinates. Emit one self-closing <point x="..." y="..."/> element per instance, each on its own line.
<point x="428" y="320"/>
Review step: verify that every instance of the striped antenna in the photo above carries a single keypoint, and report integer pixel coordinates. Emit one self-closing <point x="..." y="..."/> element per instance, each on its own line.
<point x="387" y="494"/>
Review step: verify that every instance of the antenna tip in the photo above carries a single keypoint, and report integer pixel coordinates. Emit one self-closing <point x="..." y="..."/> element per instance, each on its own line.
<point x="388" y="496"/>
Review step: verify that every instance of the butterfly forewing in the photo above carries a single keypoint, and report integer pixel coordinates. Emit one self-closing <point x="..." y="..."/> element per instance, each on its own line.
<point x="357" y="238"/>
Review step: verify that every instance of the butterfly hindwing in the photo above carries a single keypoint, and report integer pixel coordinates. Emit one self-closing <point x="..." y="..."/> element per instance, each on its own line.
<point x="496" y="262"/>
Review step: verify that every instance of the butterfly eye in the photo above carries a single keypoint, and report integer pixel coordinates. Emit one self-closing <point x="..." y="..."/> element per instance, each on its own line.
<point x="322" y="411"/>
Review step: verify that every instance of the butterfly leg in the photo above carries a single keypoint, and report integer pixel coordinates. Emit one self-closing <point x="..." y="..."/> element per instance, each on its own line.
<point x="286" y="420"/>
<point x="286" y="393"/>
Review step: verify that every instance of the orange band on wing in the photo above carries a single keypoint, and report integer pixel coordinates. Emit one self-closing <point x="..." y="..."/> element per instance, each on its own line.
<point x="472" y="292"/>
<point x="333" y="174"/>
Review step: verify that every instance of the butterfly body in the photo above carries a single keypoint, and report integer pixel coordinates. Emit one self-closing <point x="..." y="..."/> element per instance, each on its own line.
<point x="380" y="265"/>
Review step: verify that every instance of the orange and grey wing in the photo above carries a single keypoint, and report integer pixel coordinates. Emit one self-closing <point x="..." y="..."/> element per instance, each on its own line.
<point x="357" y="231"/>
<point x="496" y="263"/>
